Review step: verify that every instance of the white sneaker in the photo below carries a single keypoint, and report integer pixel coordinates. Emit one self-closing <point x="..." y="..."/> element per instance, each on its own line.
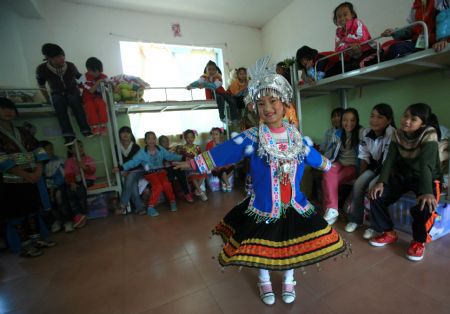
<point x="68" y="227"/>
<point x="203" y="197"/>
<point x="351" y="227"/>
<point x="56" y="227"/>
<point x="369" y="234"/>
<point x="331" y="215"/>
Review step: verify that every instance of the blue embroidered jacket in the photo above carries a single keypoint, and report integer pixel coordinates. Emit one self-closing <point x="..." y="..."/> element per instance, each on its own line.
<point x="265" y="202"/>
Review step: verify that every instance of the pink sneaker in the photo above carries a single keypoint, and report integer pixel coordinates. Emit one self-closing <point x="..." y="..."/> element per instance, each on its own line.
<point x="79" y="221"/>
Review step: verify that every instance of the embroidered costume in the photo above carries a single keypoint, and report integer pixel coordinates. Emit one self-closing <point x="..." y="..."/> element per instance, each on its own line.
<point x="18" y="197"/>
<point x="275" y="227"/>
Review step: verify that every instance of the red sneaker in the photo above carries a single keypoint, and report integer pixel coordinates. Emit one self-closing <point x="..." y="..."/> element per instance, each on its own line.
<point x="188" y="198"/>
<point x="383" y="239"/>
<point x="79" y="221"/>
<point x="415" y="251"/>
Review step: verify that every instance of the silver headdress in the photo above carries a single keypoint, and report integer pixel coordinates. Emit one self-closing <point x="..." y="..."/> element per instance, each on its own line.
<point x="248" y="99"/>
<point x="264" y="82"/>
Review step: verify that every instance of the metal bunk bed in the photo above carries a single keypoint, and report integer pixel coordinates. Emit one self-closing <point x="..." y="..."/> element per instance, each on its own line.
<point x="419" y="62"/>
<point x="35" y="105"/>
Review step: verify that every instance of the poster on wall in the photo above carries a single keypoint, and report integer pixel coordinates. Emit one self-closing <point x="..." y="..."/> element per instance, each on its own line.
<point x="176" y="29"/>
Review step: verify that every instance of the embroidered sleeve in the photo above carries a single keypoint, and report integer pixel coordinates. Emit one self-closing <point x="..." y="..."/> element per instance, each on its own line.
<point x="6" y="163"/>
<point x="316" y="160"/>
<point x="227" y="153"/>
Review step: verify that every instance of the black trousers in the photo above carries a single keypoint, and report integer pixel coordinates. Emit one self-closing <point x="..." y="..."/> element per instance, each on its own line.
<point x="393" y="190"/>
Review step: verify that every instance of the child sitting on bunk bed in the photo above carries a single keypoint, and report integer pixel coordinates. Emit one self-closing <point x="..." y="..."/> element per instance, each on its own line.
<point x="173" y="174"/>
<point x="130" y="190"/>
<point x="189" y="150"/>
<point x="21" y="160"/>
<point x="275" y="228"/>
<point x="72" y="173"/>
<point x="351" y="32"/>
<point x="306" y="61"/>
<point x="61" y="77"/>
<point x="414" y="154"/>
<point x="223" y="173"/>
<point x="94" y="106"/>
<point x="151" y="157"/>
<point x="63" y="214"/>
<point x="411" y="39"/>
<point x="238" y="87"/>
<point x="212" y="80"/>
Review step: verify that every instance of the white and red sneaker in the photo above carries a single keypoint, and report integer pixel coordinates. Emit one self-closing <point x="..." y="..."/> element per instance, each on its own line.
<point x="415" y="251"/>
<point x="79" y="221"/>
<point x="384" y="239"/>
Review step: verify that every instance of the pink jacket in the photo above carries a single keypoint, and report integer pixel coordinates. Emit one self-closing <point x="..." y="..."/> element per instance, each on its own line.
<point x="72" y="171"/>
<point x="355" y="32"/>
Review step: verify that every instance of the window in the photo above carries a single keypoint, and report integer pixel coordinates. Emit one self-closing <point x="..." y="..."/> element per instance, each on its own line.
<point x="173" y="67"/>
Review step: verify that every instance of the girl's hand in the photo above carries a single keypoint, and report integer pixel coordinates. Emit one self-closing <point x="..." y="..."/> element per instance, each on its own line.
<point x="376" y="191"/>
<point x="428" y="200"/>
<point x="189" y="87"/>
<point x="73" y="186"/>
<point x="388" y="32"/>
<point x="115" y="170"/>
<point x="183" y="165"/>
<point x="440" y="45"/>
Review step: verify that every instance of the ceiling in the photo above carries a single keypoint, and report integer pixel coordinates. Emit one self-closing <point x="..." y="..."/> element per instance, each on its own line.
<point x="252" y="13"/>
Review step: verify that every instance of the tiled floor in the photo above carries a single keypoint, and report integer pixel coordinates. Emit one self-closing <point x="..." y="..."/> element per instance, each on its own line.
<point x="138" y="264"/>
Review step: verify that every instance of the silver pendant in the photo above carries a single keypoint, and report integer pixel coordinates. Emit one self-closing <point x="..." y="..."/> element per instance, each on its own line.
<point x="286" y="168"/>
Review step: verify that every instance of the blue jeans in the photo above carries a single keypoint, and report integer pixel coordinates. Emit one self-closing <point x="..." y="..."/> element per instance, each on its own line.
<point x="61" y="104"/>
<point x="365" y="181"/>
<point x="131" y="191"/>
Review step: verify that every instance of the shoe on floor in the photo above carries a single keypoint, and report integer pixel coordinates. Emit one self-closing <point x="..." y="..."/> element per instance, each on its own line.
<point x="140" y="212"/>
<point x="41" y="244"/>
<point x="266" y="293"/>
<point x="331" y="215"/>
<point x="29" y="250"/>
<point x="203" y="196"/>
<point x="288" y="292"/>
<point x="369" y="233"/>
<point x="351" y="227"/>
<point x="68" y="227"/>
<point x="173" y="206"/>
<point x="415" y="251"/>
<point x="151" y="211"/>
<point x="79" y="221"/>
<point x="56" y="226"/>
<point x="229" y="188"/>
<point x="383" y="239"/>
<point x="188" y="198"/>
<point x="224" y="187"/>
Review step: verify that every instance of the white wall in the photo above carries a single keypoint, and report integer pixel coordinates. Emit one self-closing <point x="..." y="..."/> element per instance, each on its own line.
<point x="309" y="22"/>
<point x="13" y="70"/>
<point x="84" y="31"/>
